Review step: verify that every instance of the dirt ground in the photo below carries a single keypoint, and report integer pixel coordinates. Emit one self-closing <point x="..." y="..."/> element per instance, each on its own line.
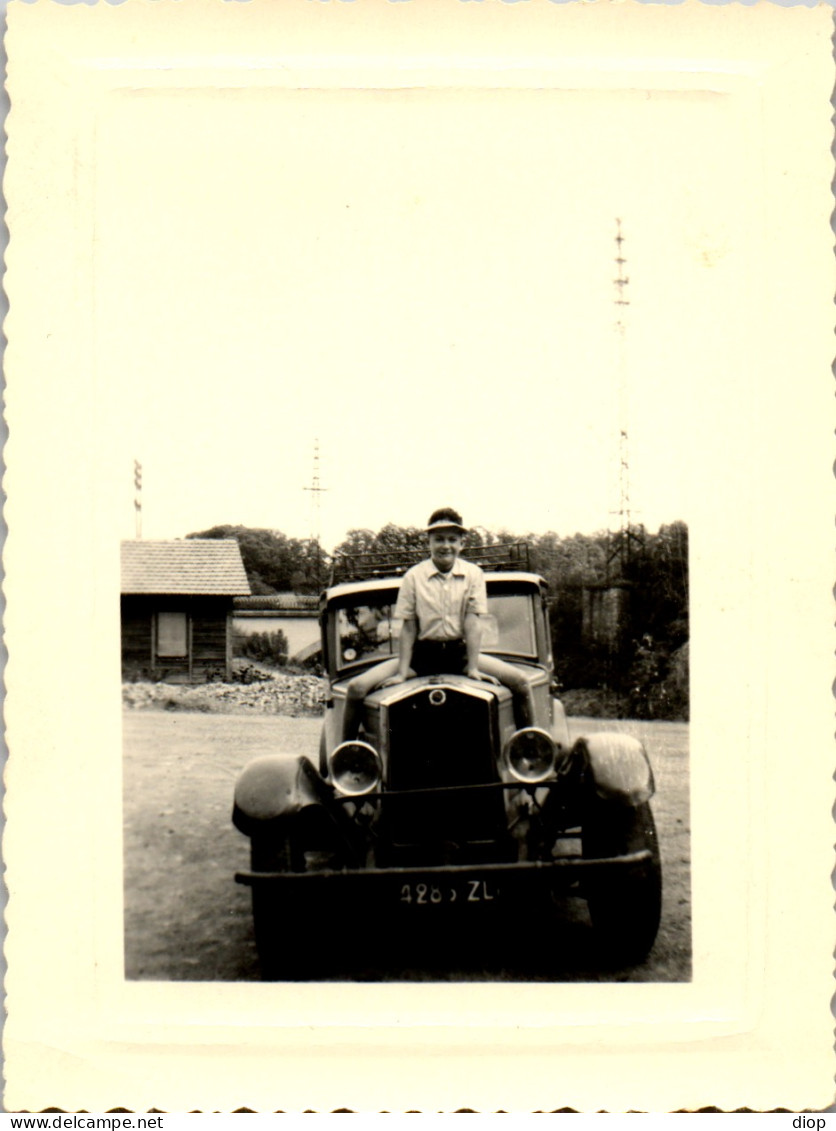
<point x="186" y="918"/>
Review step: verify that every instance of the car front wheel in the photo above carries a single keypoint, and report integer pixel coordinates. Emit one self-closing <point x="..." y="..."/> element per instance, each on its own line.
<point x="625" y="901"/>
<point x="287" y="934"/>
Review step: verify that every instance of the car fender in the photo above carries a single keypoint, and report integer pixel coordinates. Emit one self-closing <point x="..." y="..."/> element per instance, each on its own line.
<point x="273" y="789"/>
<point x="331" y="733"/>
<point x="619" y="767"/>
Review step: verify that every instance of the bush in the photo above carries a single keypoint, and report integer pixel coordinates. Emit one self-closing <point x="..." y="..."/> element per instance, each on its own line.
<point x="676" y="687"/>
<point x="266" y="647"/>
<point x="246" y="673"/>
<point x="658" y="682"/>
<point x="594" y="703"/>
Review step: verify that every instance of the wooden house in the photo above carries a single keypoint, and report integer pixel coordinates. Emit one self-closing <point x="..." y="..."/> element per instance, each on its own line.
<point x="177" y="608"/>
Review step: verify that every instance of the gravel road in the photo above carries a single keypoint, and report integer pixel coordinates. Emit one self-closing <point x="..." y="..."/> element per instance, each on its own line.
<point x="186" y="918"/>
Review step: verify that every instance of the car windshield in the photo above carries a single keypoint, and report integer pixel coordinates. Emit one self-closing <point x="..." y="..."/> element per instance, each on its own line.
<point x="370" y="632"/>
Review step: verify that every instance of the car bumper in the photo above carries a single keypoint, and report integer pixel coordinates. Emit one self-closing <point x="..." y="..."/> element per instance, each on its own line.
<point x="447" y="884"/>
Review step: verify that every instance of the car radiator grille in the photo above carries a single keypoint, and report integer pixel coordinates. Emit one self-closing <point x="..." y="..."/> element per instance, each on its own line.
<point x="439" y="739"/>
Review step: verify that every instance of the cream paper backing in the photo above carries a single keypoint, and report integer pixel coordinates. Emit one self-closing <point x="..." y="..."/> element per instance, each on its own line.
<point x="754" y="1026"/>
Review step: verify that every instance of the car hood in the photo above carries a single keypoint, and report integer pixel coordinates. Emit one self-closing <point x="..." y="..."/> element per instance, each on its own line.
<point x="386" y="696"/>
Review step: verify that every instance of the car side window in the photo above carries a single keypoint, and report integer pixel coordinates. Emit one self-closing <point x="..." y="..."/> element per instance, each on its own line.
<point x="490" y="631"/>
<point x="512" y="614"/>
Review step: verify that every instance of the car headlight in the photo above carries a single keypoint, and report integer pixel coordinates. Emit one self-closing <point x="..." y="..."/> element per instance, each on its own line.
<point x="530" y="754"/>
<point x="355" y="768"/>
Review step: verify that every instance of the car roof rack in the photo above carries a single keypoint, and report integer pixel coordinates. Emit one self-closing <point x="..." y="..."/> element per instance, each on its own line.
<point x="395" y="563"/>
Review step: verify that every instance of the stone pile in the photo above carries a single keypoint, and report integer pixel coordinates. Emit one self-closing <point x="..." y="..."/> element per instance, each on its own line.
<point x="279" y="694"/>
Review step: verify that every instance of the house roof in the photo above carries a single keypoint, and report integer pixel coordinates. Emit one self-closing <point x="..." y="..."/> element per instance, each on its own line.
<point x="194" y="566"/>
<point x="291" y="602"/>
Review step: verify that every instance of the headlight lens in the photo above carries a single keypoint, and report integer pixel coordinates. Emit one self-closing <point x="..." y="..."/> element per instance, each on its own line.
<point x="355" y="768"/>
<point x="530" y="754"/>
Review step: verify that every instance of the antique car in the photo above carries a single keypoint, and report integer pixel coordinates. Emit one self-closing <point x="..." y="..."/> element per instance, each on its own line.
<point x="444" y="811"/>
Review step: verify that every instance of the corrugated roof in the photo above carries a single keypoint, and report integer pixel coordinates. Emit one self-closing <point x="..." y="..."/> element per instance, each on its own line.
<point x="197" y="566"/>
<point x="281" y="601"/>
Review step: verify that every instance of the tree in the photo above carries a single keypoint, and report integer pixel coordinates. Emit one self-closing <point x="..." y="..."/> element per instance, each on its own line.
<point x="389" y="539"/>
<point x="659" y="573"/>
<point x="358" y="541"/>
<point x="273" y="562"/>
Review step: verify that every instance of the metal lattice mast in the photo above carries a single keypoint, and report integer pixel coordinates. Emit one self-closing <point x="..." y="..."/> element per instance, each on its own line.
<point x="621" y="553"/>
<point x="622" y="282"/>
<point x="138" y="497"/>
<point x="317" y="489"/>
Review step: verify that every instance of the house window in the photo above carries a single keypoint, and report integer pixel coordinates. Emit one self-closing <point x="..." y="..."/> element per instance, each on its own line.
<point x="172" y="635"/>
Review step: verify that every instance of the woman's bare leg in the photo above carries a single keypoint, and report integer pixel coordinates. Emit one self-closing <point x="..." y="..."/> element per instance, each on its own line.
<point x="356" y="692"/>
<point x="516" y="683"/>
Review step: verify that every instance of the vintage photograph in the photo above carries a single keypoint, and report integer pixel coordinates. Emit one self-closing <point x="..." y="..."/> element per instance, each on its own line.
<point x="432" y="327"/>
<point x="413" y="771"/>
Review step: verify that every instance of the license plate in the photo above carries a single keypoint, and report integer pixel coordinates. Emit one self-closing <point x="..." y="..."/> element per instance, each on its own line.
<point x="445" y="893"/>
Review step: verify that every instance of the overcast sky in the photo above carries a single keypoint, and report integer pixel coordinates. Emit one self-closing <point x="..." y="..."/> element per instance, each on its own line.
<point x="421" y="280"/>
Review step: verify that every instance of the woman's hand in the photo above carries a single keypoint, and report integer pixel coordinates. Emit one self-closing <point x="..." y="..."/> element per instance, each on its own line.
<point x="393" y="680"/>
<point x="474" y="673"/>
